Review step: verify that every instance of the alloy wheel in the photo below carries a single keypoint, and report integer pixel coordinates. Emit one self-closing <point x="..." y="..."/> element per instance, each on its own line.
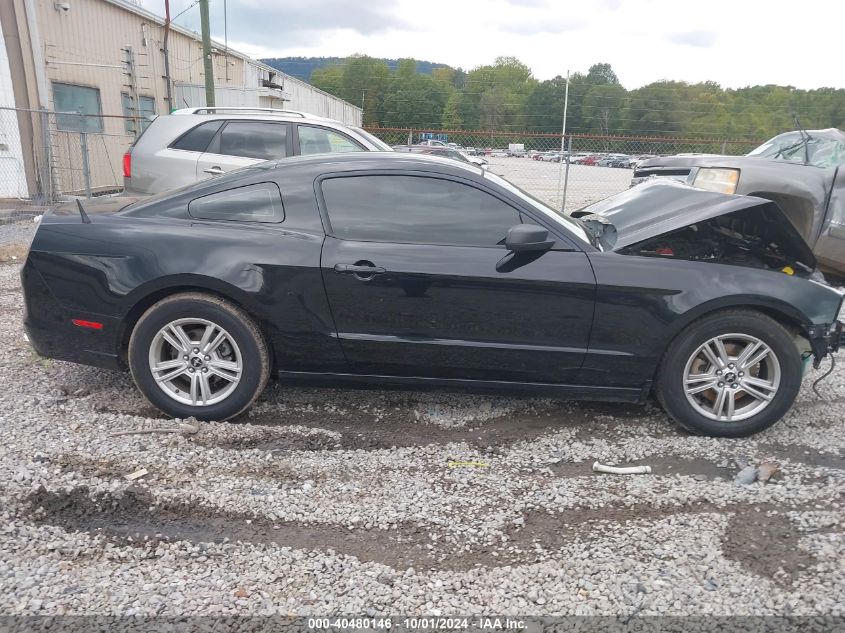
<point x="195" y="362"/>
<point x="732" y="377"/>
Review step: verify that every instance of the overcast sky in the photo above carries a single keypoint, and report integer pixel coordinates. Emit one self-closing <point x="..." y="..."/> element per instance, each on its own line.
<point x="733" y="42"/>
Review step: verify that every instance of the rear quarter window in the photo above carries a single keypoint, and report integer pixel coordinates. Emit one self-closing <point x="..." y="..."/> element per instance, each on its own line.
<point x="261" y="202"/>
<point x="198" y="138"/>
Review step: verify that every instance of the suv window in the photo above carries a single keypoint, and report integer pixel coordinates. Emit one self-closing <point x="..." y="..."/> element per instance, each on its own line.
<point x="197" y="139"/>
<point x="252" y="203"/>
<point x="415" y="209"/>
<point x="253" y="139"/>
<point x="319" y="140"/>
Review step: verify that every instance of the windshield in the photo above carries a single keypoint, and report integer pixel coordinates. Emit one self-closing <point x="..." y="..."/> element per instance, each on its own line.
<point x="822" y="151"/>
<point x="572" y="224"/>
<point x="381" y="145"/>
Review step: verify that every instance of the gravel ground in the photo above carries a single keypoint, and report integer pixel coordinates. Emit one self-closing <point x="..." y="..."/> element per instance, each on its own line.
<point x="393" y="501"/>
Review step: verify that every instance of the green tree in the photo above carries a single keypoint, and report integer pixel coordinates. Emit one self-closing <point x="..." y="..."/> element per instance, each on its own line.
<point x="329" y="79"/>
<point x="452" y="112"/>
<point x="359" y="80"/>
<point x="601" y="75"/>
<point x="544" y="106"/>
<point x="655" y="109"/>
<point x="601" y="110"/>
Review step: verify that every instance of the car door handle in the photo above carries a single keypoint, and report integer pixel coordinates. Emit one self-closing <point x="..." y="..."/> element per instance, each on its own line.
<point x="357" y="269"/>
<point x="216" y="171"/>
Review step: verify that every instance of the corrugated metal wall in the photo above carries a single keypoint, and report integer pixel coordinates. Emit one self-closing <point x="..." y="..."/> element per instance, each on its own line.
<point x="12" y="174"/>
<point x="87" y="46"/>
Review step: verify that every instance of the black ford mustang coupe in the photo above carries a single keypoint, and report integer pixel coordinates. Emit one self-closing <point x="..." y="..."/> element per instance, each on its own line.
<point x="413" y="269"/>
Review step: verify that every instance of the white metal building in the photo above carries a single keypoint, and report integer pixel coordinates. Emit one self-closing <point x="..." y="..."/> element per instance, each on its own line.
<point x="108" y="58"/>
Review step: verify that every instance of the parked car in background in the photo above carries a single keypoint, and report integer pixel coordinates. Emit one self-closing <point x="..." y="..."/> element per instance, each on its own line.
<point x="591" y="159"/>
<point x="578" y="157"/>
<point x="389" y="267"/>
<point x="615" y="160"/>
<point x="611" y="160"/>
<point x="445" y="152"/>
<point x="499" y="153"/>
<point x="802" y="171"/>
<point x="198" y="143"/>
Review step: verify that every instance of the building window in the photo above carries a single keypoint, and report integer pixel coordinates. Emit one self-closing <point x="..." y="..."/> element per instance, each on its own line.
<point x="81" y="99"/>
<point x="146" y="109"/>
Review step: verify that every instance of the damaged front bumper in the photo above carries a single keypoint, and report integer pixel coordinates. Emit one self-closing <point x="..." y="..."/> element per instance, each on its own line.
<point x="824" y="339"/>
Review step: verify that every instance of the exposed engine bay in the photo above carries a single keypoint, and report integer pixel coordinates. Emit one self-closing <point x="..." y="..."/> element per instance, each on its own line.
<point x="744" y="238"/>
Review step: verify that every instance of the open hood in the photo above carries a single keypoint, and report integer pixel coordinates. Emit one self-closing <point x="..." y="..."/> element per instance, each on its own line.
<point x="661" y="207"/>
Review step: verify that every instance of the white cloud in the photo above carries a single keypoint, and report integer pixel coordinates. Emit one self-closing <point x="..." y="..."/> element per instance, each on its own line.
<point x="732" y="43"/>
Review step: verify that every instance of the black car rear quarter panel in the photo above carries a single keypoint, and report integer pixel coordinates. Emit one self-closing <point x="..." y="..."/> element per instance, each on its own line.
<point x="100" y="271"/>
<point x="642" y="303"/>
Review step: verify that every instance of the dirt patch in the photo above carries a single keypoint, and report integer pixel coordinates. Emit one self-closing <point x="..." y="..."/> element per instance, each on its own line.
<point x="362" y="430"/>
<point x="765" y="542"/>
<point x="701" y="469"/>
<point x="554" y="530"/>
<point x="694" y="467"/>
<point x="272" y="440"/>
<point x="134" y="517"/>
<point x="804" y="455"/>
<point x="106" y="468"/>
<point x="12" y="253"/>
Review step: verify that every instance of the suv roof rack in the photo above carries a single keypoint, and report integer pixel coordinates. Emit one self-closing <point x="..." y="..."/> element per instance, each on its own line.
<point x="241" y="110"/>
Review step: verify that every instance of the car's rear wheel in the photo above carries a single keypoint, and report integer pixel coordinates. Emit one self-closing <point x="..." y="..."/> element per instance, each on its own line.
<point x="193" y="354"/>
<point x="730" y="374"/>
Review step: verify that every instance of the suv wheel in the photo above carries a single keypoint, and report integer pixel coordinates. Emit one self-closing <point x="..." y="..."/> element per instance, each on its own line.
<point x="730" y="374"/>
<point x="193" y="354"/>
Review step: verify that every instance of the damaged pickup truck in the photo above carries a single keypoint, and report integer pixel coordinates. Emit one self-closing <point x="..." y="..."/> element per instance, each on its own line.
<point x="387" y="267"/>
<point x="802" y="171"/>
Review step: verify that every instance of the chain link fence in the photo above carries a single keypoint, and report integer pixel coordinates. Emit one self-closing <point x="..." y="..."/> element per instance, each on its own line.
<point x="565" y="172"/>
<point x="47" y="158"/>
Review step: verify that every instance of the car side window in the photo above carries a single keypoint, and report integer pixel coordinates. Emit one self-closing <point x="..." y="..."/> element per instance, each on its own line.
<point x="254" y="139"/>
<point x="261" y="202"/>
<point x="318" y="140"/>
<point x="197" y="139"/>
<point x="415" y="209"/>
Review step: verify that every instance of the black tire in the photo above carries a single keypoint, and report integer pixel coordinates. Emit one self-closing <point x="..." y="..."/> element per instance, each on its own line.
<point x="669" y="386"/>
<point x="243" y="330"/>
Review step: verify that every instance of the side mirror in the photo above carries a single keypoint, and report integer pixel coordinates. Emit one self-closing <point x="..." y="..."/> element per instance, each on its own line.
<point x="528" y="237"/>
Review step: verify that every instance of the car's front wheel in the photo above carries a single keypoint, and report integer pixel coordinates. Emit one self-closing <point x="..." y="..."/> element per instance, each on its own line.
<point x="193" y="354"/>
<point x="730" y="374"/>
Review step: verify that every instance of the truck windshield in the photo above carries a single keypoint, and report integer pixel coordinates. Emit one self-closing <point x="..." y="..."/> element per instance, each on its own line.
<point x="823" y="151"/>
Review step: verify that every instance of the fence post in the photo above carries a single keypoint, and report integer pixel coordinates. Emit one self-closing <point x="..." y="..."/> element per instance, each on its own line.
<point x="566" y="176"/>
<point x="47" y="189"/>
<point x="563" y="138"/>
<point x="86" y="171"/>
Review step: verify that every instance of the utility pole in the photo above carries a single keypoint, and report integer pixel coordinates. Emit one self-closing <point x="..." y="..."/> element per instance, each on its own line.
<point x="208" y="64"/>
<point x="167" y="79"/>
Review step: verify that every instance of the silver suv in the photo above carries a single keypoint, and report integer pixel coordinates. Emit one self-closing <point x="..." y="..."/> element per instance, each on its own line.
<point x="197" y="143"/>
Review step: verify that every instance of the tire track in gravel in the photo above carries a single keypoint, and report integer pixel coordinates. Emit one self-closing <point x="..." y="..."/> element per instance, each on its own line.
<point x="361" y="430"/>
<point x="759" y="537"/>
